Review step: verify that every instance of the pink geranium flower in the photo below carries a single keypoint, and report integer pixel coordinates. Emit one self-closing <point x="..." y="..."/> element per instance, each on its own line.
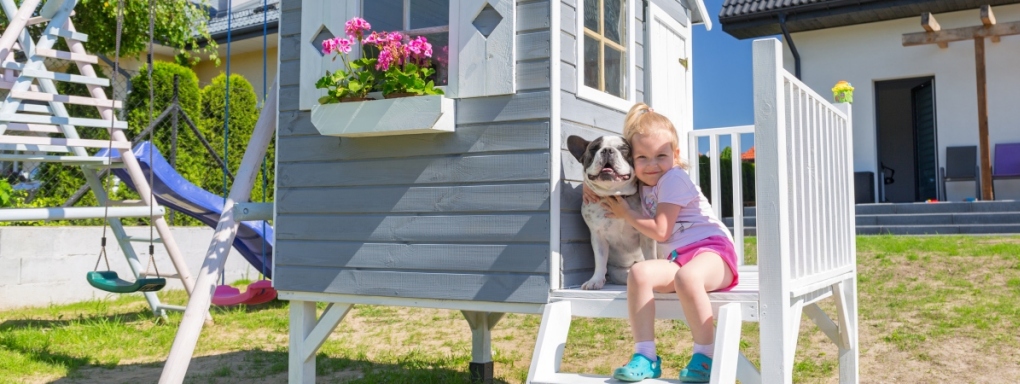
<point x="342" y="45"/>
<point x="355" y="27"/>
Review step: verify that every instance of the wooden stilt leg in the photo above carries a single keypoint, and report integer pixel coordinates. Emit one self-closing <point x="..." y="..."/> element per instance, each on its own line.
<point x="481" y="323"/>
<point x="727" y="345"/>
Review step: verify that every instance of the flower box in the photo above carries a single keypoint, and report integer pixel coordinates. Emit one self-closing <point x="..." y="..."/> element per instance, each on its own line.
<point x="399" y="116"/>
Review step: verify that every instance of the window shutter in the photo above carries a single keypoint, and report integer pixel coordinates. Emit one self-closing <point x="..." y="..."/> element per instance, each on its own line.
<point x="320" y="19"/>
<point x="482" y="61"/>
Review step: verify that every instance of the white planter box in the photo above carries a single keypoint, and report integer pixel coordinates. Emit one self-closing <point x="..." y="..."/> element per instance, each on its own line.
<point x="399" y="116"/>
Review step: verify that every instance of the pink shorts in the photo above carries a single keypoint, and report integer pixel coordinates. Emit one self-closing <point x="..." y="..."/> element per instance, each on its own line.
<point x="717" y="244"/>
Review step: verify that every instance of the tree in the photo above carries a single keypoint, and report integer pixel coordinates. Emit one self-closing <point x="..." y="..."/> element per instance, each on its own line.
<point x="178" y="24"/>
<point x="244" y="114"/>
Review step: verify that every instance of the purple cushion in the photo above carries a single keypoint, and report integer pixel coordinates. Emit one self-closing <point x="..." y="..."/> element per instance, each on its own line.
<point x="1007" y="160"/>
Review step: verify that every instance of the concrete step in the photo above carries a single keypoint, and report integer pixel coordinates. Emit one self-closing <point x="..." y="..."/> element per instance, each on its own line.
<point x="984" y="229"/>
<point x="969" y="218"/>
<point x="923" y="208"/>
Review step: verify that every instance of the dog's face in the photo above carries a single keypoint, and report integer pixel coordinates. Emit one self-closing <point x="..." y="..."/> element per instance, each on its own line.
<point x="608" y="170"/>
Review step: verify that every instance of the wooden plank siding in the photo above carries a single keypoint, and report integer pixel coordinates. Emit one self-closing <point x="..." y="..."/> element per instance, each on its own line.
<point x="450" y="216"/>
<point x="589" y="120"/>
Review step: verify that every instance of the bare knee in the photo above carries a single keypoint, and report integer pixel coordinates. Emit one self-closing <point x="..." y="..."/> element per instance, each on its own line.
<point x="640" y="273"/>
<point x="687" y="281"/>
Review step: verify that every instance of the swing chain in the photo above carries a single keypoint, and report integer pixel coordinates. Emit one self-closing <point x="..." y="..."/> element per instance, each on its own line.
<point x="102" y="256"/>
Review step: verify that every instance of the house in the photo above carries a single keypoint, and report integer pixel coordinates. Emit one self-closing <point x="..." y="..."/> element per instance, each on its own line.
<point x="910" y="102"/>
<point x="248" y="20"/>
<point x="483" y="214"/>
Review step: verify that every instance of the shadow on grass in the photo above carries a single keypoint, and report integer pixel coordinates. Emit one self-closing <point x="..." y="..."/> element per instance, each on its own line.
<point x="271" y="367"/>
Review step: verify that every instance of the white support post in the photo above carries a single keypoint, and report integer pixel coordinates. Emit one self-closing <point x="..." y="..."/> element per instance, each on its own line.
<point x="552" y="338"/>
<point x="773" y="222"/>
<point x="226" y="229"/>
<point x="738" y="196"/>
<point x="308" y="334"/>
<point x="481" y="366"/>
<point x="849" y="358"/>
<point x="300" y="370"/>
<point x="727" y="345"/>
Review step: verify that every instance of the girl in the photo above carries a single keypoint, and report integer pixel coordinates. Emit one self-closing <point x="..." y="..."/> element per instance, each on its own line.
<point x="695" y="249"/>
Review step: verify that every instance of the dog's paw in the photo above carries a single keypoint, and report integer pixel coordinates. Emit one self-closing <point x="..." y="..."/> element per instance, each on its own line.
<point x="594" y="284"/>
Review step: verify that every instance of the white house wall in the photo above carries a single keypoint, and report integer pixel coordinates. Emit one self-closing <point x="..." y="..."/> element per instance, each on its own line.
<point x="865" y="54"/>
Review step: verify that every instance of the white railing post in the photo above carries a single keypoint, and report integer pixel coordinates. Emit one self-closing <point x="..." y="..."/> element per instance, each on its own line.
<point x="772" y="210"/>
<point x="738" y="196"/>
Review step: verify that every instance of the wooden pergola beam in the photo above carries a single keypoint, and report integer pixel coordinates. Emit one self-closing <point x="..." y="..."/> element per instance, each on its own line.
<point x="961" y="34"/>
<point x="930" y="25"/>
<point x="933" y="34"/>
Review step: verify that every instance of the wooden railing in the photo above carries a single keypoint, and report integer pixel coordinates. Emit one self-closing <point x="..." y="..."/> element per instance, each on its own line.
<point x="715" y="164"/>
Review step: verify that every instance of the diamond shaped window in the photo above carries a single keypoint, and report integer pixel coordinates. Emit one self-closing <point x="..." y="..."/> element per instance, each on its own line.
<point x="487" y="20"/>
<point x="323" y="35"/>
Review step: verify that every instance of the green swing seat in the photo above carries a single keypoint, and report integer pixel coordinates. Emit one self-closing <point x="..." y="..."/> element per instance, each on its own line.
<point x="110" y="282"/>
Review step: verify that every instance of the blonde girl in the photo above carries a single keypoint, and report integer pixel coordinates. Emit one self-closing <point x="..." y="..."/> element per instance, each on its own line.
<point x="696" y="254"/>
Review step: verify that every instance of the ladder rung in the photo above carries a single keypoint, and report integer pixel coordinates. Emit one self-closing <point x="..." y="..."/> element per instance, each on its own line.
<point x="40" y="74"/>
<point x="39" y="140"/>
<point x="64" y="55"/>
<point x="34" y="108"/>
<point x="67" y="34"/>
<point x="45" y="128"/>
<point x="76" y="121"/>
<point x="136" y="239"/>
<point x="6" y="84"/>
<point x="78" y="100"/>
<point x="81" y="160"/>
<point x="34" y="147"/>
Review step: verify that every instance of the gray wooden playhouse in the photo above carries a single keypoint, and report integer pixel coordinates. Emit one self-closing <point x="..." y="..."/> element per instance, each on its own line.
<point x="468" y="201"/>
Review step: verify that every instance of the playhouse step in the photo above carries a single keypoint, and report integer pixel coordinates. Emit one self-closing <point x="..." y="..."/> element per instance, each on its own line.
<point x="576" y="378"/>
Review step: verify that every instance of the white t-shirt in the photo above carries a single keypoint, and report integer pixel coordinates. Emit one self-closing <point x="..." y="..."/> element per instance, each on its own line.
<point x="696" y="219"/>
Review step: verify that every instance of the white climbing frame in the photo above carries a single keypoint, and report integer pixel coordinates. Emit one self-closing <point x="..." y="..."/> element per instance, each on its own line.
<point x="31" y="81"/>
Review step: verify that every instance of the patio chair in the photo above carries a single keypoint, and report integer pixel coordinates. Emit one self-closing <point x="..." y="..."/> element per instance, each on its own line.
<point x="1006" y="165"/>
<point x="961" y="165"/>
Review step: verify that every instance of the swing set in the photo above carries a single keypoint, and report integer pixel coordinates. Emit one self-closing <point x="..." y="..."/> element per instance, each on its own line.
<point x="35" y="127"/>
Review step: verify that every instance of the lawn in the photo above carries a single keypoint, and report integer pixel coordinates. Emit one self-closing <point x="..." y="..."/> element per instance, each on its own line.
<point x="931" y="309"/>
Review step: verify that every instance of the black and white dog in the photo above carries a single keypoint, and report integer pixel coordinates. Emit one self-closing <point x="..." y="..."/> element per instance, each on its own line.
<point x="608" y="171"/>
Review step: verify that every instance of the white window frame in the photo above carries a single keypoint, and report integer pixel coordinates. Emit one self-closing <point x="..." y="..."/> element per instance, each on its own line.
<point x="595" y="95"/>
<point x="407" y="31"/>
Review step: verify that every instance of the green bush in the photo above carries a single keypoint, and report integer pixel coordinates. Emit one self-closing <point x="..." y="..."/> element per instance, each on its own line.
<point x="244" y="113"/>
<point x="726" y="180"/>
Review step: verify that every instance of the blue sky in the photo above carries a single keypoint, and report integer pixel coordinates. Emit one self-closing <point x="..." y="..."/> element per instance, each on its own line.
<point x="722" y="80"/>
<point x="722" y="75"/>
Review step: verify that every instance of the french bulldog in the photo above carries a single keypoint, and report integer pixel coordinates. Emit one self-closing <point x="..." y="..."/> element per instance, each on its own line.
<point x="608" y="171"/>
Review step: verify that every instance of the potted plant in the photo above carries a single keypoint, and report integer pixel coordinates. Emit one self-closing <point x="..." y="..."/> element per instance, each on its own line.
<point x="843" y="92"/>
<point x="401" y="68"/>
<point x="358" y="76"/>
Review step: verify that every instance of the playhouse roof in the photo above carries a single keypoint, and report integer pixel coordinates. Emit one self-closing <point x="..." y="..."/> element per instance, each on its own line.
<point x="753" y="18"/>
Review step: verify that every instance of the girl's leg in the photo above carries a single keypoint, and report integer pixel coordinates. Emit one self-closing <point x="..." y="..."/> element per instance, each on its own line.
<point x="706" y="272"/>
<point x="644" y="279"/>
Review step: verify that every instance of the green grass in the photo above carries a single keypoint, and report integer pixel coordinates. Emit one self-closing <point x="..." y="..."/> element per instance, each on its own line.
<point x="914" y="292"/>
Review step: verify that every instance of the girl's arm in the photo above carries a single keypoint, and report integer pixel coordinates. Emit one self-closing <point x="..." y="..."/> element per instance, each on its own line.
<point x="658" y="228"/>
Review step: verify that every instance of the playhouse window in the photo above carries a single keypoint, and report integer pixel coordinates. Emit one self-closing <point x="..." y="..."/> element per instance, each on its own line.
<point x="429" y="18"/>
<point x="605" y="51"/>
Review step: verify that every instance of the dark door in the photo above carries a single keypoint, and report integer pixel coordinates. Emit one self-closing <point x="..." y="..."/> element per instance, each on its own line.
<point x="925" y="146"/>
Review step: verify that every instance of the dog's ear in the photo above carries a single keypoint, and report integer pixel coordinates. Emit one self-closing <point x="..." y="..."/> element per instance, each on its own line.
<point x="577" y="146"/>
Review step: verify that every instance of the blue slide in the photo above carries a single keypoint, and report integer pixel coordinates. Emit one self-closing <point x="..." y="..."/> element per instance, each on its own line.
<point x="172" y="190"/>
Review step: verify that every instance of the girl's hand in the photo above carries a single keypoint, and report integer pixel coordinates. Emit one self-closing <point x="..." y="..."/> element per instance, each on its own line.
<point x="617" y="207"/>
<point x="589" y="195"/>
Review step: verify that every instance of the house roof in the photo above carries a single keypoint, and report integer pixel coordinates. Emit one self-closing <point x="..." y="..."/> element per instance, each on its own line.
<point x="245" y="22"/>
<point x="747" y="155"/>
<point x="754" y="18"/>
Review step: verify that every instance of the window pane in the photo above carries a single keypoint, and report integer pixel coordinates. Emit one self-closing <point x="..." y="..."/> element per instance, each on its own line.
<point x="384" y="15"/>
<point x="591" y="15"/>
<point x="440" y="53"/>
<point x="429" y="13"/>
<point x="591" y="62"/>
<point x="615" y="72"/>
<point x="614" y="19"/>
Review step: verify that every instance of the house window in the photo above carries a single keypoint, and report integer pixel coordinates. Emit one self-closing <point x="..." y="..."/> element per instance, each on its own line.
<point x="606" y="53"/>
<point x="429" y="18"/>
